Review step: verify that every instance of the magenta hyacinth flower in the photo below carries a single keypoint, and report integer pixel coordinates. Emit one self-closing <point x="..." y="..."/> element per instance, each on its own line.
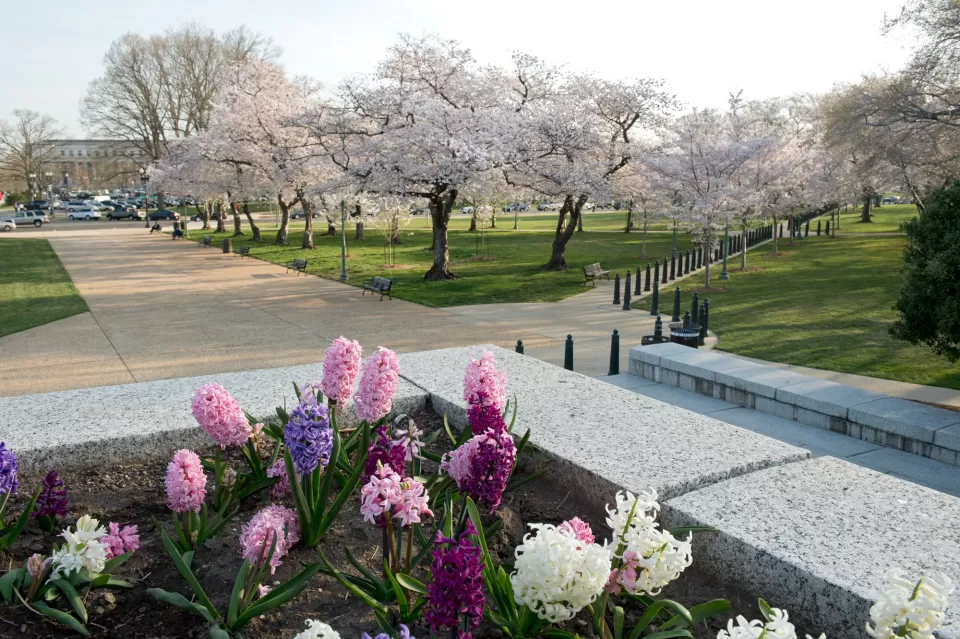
<point x="186" y="483"/>
<point x="220" y="416"/>
<point x="341" y="363"/>
<point x="483" y="385"/>
<point x="383" y="451"/>
<point x="455" y="592"/>
<point x="484" y="417"/>
<point x="378" y="383"/>
<point x="482" y="466"/>
<point x="272" y="522"/>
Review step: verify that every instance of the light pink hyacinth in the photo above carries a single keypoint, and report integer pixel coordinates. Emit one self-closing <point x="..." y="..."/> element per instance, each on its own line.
<point x="186" y="483"/>
<point x="341" y="363"/>
<point x="120" y="540"/>
<point x="272" y="522"/>
<point x="483" y="385"/>
<point x="578" y="529"/>
<point x="389" y="494"/>
<point x="458" y="463"/>
<point x="220" y="416"/>
<point x="378" y="383"/>
<point x="282" y="488"/>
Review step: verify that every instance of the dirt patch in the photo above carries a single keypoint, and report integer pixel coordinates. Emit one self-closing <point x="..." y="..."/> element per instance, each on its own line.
<point x="133" y="494"/>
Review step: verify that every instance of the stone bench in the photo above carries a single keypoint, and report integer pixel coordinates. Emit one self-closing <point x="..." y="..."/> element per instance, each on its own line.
<point x="887" y="421"/>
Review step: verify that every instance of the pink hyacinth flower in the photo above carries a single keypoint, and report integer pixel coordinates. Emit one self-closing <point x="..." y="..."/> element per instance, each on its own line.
<point x="378" y="383"/>
<point x="379" y="495"/>
<point x="220" y="416"/>
<point x="272" y="522"/>
<point x="185" y="482"/>
<point x="483" y="385"/>
<point x="120" y="540"/>
<point x="458" y="463"/>
<point x="282" y="488"/>
<point x="414" y="502"/>
<point x="578" y="529"/>
<point x="341" y="363"/>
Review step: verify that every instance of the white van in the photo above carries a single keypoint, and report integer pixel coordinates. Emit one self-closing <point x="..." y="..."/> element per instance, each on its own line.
<point x="100" y="198"/>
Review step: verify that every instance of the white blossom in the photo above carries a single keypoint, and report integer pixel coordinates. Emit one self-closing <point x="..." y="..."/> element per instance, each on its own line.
<point x="317" y="630"/>
<point x="632" y="513"/>
<point x="83" y="549"/>
<point x="556" y="574"/>
<point x="779" y="627"/>
<point x="908" y="607"/>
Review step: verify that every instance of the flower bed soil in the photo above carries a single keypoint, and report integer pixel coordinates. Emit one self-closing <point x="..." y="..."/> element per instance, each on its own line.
<point x="134" y="494"/>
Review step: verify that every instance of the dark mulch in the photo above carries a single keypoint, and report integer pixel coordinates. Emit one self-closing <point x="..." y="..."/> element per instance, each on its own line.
<point x="133" y="494"/>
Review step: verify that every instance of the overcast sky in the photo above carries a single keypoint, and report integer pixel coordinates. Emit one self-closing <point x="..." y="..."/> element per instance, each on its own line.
<point x="703" y="48"/>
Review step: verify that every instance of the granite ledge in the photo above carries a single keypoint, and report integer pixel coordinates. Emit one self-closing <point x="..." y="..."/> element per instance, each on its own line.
<point x="651" y="354"/>
<point x="699" y="364"/>
<point x="903" y="417"/>
<point x="825" y="397"/>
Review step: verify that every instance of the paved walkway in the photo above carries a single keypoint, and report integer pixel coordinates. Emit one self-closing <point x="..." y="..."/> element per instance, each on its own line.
<point x="920" y="470"/>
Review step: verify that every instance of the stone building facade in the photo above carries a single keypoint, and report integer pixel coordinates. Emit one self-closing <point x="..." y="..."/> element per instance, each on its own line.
<point x="95" y="164"/>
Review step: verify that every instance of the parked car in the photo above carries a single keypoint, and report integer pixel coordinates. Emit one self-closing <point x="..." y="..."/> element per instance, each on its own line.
<point x="37" y="218"/>
<point x="466" y="210"/>
<point x="163" y="214"/>
<point x="543" y="206"/>
<point x="125" y="213"/>
<point x="83" y="212"/>
<point x="418" y="211"/>
<point x="516" y="206"/>
<point x="298" y="213"/>
<point x="74" y="205"/>
<point x="7" y="224"/>
<point x="36" y="205"/>
<point x="199" y="217"/>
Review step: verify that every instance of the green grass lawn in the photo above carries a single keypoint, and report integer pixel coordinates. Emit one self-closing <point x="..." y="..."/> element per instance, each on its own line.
<point x="511" y="275"/>
<point x="886" y="219"/>
<point x="34" y="287"/>
<point x="546" y="221"/>
<point x="826" y="303"/>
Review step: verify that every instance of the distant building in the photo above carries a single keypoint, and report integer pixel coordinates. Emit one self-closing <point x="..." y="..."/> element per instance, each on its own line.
<point x="95" y="164"/>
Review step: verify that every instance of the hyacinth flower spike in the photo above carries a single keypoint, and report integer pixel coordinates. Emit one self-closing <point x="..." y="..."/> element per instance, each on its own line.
<point x="8" y="486"/>
<point x="186" y="487"/>
<point x="52" y="502"/>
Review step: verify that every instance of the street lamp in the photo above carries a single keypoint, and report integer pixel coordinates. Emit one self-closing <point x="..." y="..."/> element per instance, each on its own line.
<point x="146" y="203"/>
<point x="674" y="237"/>
<point x="343" y="241"/>
<point x="32" y="185"/>
<point x="724" y="275"/>
<point x="49" y="177"/>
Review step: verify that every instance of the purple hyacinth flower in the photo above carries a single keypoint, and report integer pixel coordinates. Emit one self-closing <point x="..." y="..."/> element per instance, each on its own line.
<point x="8" y="470"/>
<point x="404" y="634"/>
<point x="52" y="501"/>
<point x="456" y="590"/>
<point x="308" y="437"/>
<point x="384" y="451"/>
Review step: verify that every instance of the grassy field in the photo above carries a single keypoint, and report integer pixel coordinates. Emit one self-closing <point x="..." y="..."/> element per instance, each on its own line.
<point x="34" y="287"/>
<point x="510" y="275"/>
<point x="886" y="219"/>
<point x="825" y="303"/>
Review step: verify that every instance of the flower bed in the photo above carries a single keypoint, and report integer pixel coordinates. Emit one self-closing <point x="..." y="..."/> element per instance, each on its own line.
<point x="399" y="528"/>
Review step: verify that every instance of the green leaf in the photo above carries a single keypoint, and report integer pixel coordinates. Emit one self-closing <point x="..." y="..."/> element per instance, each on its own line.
<point x="180" y="601"/>
<point x="112" y="565"/>
<point x="666" y="634"/>
<point x="363" y="570"/>
<point x="397" y="590"/>
<point x="698" y="613"/>
<point x="331" y="515"/>
<point x="61" y="617"/>
<point x="617" y="622"/>
<point x="513" y="484"/>
<point x="13" y="532"/>
<point x="216" y="632"/>
<point x="73" y="598"/>
<point x="277" y="597"/>
<point x="237" y="594"/>
<point x="410" y="583"/>
<point x="654" y="609"/>
<point x="113" y="582"/>
<point x="513" y="418"/>
<point x="446" y="427"/>
<point x="766" y="610"/>
<point x="187" y="574"/>
<point x="9" y="581"/>
<point x="556" y="633"/>
<point x="680" y="530"/>
<point x="478" y="524"/>
<point x="364" y="597"/>
<point x="299" y="500"/>
<point x="256" y="487"/>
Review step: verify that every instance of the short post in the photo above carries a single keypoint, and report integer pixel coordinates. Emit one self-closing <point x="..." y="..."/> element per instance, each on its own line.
<point x="616" y="289"/>
<point x="654" y="310"/>
<point x="694" y="308"/>
<point x="636" y="284"/>
<point x="828" y="228"/>
<point x="818" y="227"/>
<point x="519" y="347"/>
<point x="703" y="326"/>
<point x="781" y="230"/>
<point x="227" y="246"/>
<point x="658" y="328"/>
<point x="676" y="305"/>
<point x="673" y="267"/>
<point x="568" y="353"/>
<point x="705" y="318"/>
<point x="699" y="258"/>
<point x="664" y="275"/>
<point x="646" y="280"/>
<point x="688" y="263"/>
<point x="626" y="293"/>
<point x="656" y="271"/>
<point x="686" y="319"/>
<point x="614" y="353"/>
<point x="806" y="229"/>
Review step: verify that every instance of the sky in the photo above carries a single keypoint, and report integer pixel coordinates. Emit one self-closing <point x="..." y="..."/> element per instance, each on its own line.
<point x="704" y="49"/>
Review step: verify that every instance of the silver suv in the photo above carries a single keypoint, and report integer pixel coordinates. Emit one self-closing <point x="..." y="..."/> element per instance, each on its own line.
<point x="37" y="218"/>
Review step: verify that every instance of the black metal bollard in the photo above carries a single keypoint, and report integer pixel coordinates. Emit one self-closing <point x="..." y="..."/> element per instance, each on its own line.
<point x="694" y="308"/>
<point x="686" y="319"/>
<point x="828" y="228"/>
<point x="699" y="260"/>
<point x="616" y="289"/>
<point x="646" y="280"/>
<point x="703" y="326"/>
<point x="688" y="263"/>
<point x="658" y="327"/>
<point x="614" y="353"/>
<point x="519" y="347"/>
<point x="806" y="229"/>
<point x="818" y="228"/>
<point x="636" y="284"/>
<point x="664" y="274"/>
<point x="676" y="305"/>
<point x="626" y="293"/>
<point x="781" y="231"/>
<point x="656" y="271"/>
<point x="568" y="353"/>
<point x="654" y="306"/>
<point x="705" y="318"/>
<point x="673" y="267"/>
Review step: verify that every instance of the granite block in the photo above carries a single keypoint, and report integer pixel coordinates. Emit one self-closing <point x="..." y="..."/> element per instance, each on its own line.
<point x="817" y="536"/>
<point x="903" y="417"/>
<point x="948" y="437"/>
<point x="734" y="395"/>
<point x="148" y="420"/>
<point x="701" y="364"/>
<point x="758" y="379"/>
<point x="651" y="354"/>
<point x="603" y="437"/>
<point x="825" y="397"/>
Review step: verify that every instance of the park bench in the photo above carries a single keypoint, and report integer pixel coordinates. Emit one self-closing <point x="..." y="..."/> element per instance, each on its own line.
<point x="299" y="265"/>
<point x="593" y="272"/>
<point x="243" y="251"/>
<point x="379" y="285"/>
<point x="206" y="240"/>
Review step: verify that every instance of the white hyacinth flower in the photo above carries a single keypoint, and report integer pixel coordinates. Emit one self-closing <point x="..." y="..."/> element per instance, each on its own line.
<point x="632" y="513"/>
<point x="83" y="549"/>
<point x="660" y="558"/>
<point x="777" y="627"/>
<point x="557" y="574"/>
<point x="317" y="630"/>
<point x="913" y="608"/>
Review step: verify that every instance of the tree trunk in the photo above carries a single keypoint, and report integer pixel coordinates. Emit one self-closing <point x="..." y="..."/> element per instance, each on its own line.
<point x="205" y="212"/>
<point x="644" y="250"/>
<point x="440" y="208"/>
<point x="253" y="226"/>
<point x="235" y="211"/>
<point x="359" y="231"/>
<point x="564" y="232"/>
<point x="516" y="220"/>
<point x="493" y="218"/>
<point x="743" y="238"/>
<point x="284" y="229"/>
<point x="579" y="223"/>
<point x="307" y="242"/>
<point x="473" y="220"/>
<point x="707" y="257"/>
<point x="629" y="220"/>
<point x="865" y="213"/>
<point x="221" y="218"/>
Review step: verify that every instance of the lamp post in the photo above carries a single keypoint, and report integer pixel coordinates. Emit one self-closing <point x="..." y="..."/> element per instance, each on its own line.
<point x="146" y="203"/>
<point x="343" y="241"/>
<point x="674" y="237"/>
<point x="32" y="185"/>
<point x="49" y="177"/>
<point x="726" y="246"/>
